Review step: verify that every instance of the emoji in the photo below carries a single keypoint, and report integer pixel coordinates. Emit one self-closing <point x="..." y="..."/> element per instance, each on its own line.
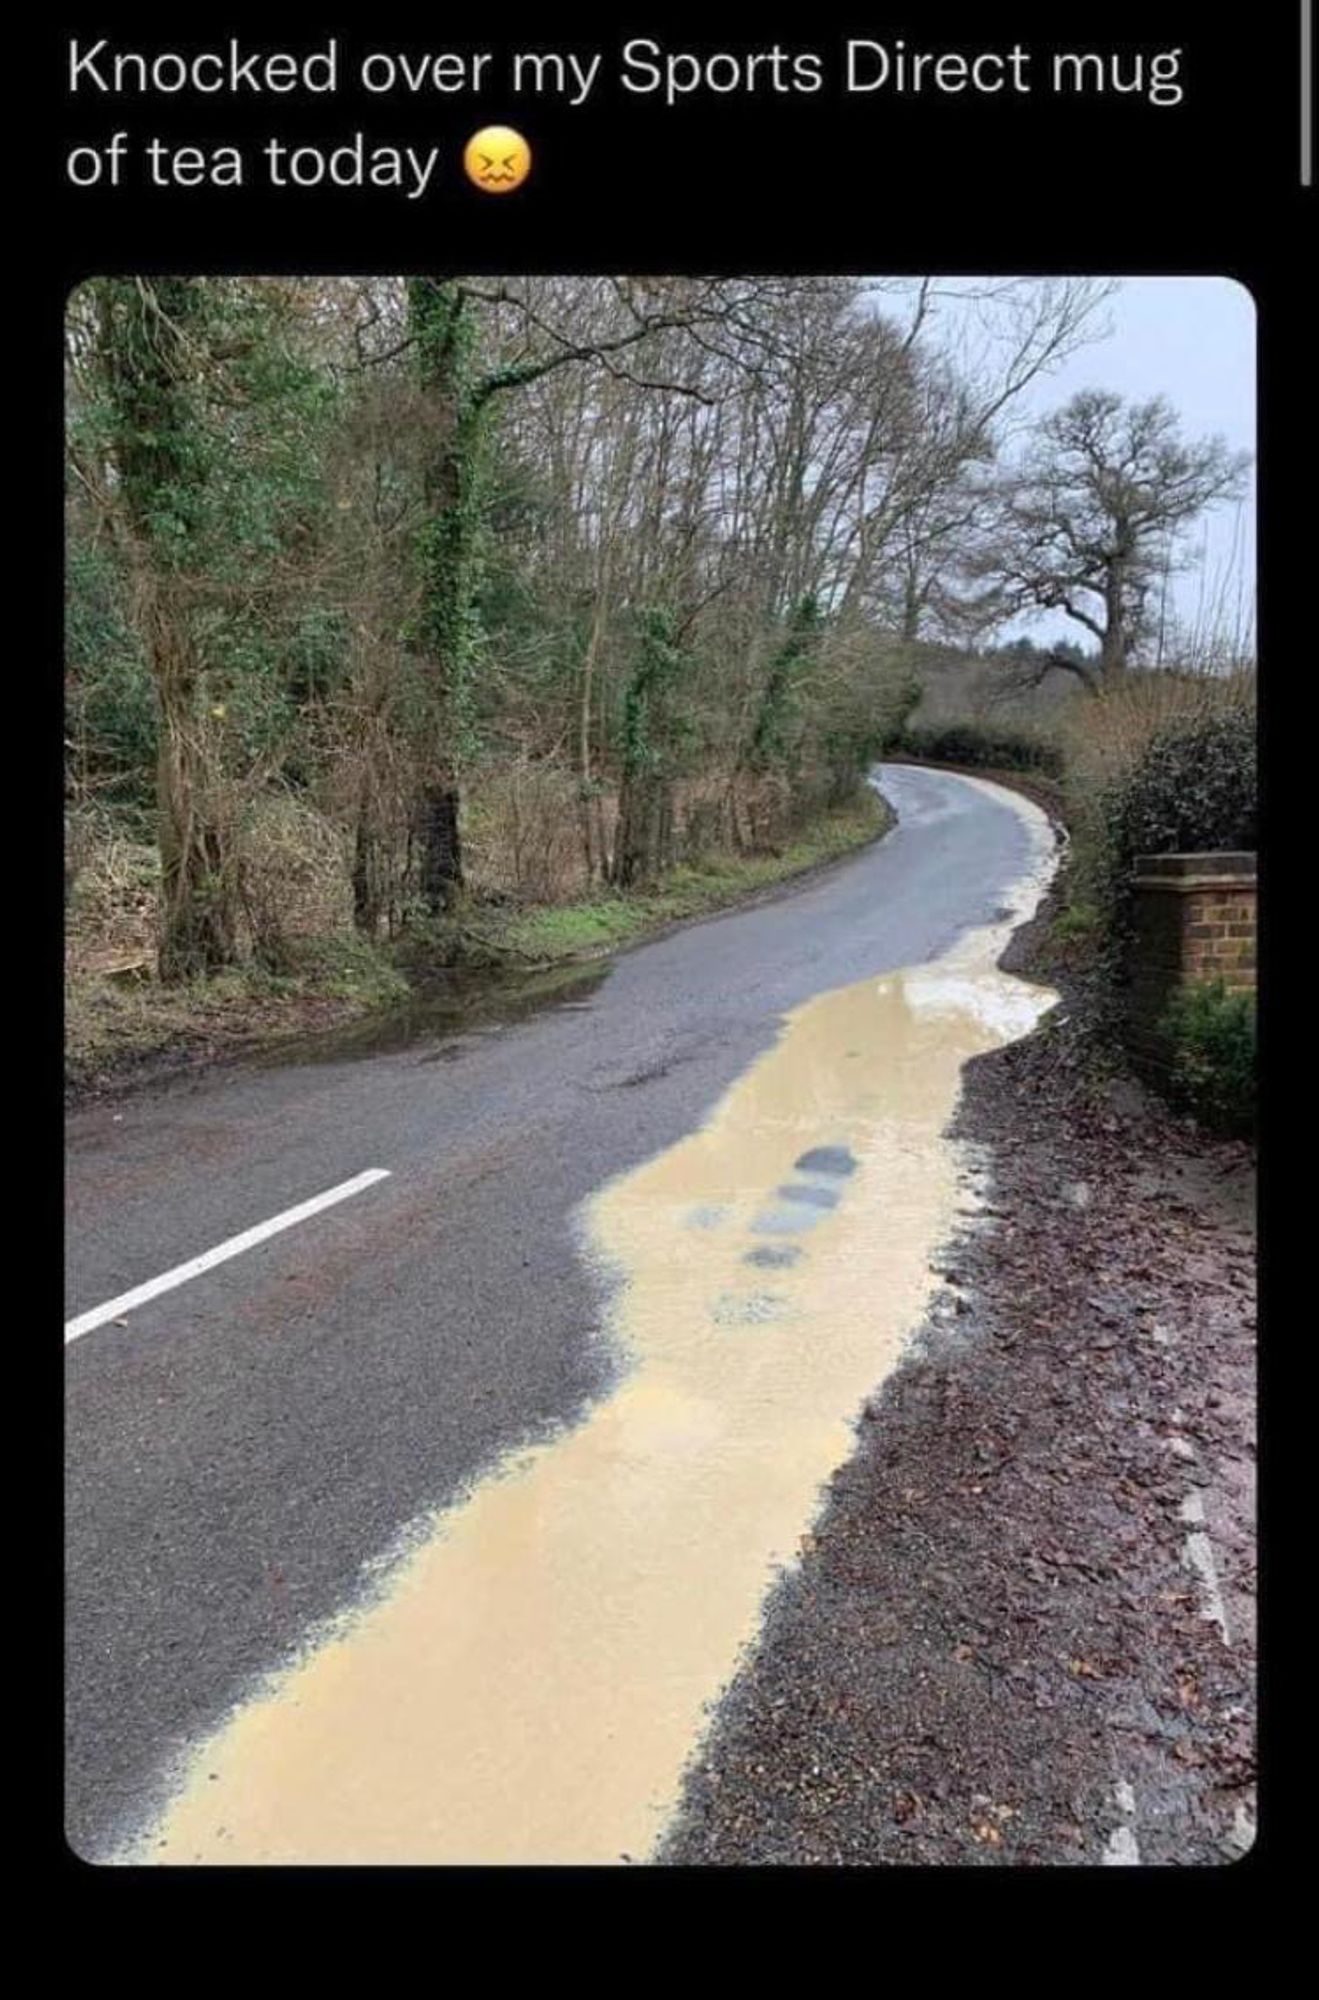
<point x="497" y="159"/>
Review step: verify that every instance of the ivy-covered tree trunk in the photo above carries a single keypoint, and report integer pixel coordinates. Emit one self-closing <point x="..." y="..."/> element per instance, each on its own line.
<point x="643" y="839"/>
<point x="592" y="824"/>
<point x="368" y="897"/>
<point x="771" y="736"/>
<point x="199" y="887"/>
<point x="152" y="335"/>
<point x="440" y="844"/>
<point x="449" y="547"/>
<point x="645" y="819"/>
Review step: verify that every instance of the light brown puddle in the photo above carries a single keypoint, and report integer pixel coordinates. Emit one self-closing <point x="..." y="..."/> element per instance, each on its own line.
<point x="541" y="1670"/>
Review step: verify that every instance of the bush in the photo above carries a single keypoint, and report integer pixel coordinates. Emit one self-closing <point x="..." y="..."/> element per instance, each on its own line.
<point x="1193" y="789"/>
<point x="982" y="747"/>
<point x="294" y="883"/>
<point x="1211" y="1042"/>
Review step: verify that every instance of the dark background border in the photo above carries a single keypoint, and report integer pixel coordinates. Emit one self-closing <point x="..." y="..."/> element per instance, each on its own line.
<point x="814" y="183"/>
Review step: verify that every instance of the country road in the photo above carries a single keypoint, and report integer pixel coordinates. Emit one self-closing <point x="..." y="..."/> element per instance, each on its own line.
<point x="266" y="1441"/>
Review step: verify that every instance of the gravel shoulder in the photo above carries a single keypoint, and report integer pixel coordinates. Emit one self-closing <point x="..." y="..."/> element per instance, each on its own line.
<point x="1022" y="1631"/>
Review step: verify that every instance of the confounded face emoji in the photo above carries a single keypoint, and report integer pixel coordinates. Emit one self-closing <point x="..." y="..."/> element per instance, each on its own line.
<point x="497" y="159"/>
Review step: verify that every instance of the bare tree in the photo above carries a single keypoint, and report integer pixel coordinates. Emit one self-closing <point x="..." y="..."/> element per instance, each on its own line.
<point x="1090" y="523"/>
<point x="451" y="324"/>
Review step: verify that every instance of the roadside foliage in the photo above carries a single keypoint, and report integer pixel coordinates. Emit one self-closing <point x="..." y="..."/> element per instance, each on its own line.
<point x="396" y="608"/>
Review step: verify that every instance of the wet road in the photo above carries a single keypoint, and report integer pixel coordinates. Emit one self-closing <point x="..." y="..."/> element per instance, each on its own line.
<point x="254" y="1439"/>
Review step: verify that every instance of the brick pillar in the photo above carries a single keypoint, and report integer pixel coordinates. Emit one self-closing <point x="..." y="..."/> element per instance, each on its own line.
<point x="1193" y="922"/>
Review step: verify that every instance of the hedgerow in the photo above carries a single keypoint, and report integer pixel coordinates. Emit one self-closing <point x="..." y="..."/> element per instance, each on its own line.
<point x="982" y="746"/>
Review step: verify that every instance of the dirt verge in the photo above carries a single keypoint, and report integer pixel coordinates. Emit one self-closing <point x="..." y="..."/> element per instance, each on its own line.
<point x="1022" y="1631"/>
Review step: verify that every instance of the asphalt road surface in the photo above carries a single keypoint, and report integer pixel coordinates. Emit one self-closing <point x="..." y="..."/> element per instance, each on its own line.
<point x="242" y="1444"/>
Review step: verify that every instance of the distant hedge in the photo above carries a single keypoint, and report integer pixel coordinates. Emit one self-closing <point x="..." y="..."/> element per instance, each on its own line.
<point x="980" y="745"/>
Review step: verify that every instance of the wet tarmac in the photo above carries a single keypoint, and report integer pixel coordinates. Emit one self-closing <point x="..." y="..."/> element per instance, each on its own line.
<point x="541" y="1670"/>
<point x="260" y="1462"/>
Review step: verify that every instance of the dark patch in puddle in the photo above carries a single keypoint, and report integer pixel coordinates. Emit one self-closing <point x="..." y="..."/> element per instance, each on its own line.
<point x="773" y="1256"/>
<point x="813" y="1197"/>
<point x="826" y="1160"/>
<point x="782" y="1222"/>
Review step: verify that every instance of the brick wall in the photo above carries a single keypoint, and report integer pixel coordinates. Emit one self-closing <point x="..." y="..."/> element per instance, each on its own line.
<point x="1193" y="921"/>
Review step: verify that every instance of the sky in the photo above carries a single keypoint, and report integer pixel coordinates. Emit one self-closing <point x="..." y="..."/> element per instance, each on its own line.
<point x="1193" y="341"/>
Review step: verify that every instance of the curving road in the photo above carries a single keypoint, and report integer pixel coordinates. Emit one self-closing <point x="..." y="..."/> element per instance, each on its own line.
<point x="240" y="1445"/>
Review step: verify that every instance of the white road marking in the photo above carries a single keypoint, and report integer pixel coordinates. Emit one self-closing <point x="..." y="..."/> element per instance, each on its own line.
<point x="233" y="1247"/>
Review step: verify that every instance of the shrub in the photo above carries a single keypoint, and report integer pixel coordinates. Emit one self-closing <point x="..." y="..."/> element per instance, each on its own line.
<point x="1194" y="789"/>
<point x="292" y="876"/>
<point x="1210" y="1035"/>
<point x="1103" y="739"/>
<point x="983" y="747"/>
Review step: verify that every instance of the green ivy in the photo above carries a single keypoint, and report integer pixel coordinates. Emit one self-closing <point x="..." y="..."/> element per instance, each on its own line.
<point x="451" y="542"/>
<point x="774" y="736"/>
<point x="217" y="452"/>
<point x="650" y="725"/>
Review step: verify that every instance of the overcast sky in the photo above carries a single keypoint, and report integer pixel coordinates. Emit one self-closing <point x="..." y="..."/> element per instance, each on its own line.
<point x="1193" y="341"/>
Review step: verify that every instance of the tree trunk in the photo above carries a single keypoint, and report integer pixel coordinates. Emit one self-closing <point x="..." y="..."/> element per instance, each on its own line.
<point x="449" y="634"/>
<point x="645" y="823"/>
<point x="590" y="810"/>
<point x="197" y="933"/>
<point x="440" y="842"/>
<point x="198" y="904"/>
<point x="912" y="607"/>
<point x="367" y="899"/>
<point x="628" y="844"/>
<point x="152" y="342"/>
<point x="1116" y="643"/>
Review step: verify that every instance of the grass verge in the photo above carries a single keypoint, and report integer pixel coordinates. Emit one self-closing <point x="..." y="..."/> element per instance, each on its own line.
<point x="120" y="1030"/>
<point x="611" y="919"/>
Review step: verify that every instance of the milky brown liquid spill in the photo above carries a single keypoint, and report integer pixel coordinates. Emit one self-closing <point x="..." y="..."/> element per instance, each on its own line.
<point x="540" y="1670"/>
